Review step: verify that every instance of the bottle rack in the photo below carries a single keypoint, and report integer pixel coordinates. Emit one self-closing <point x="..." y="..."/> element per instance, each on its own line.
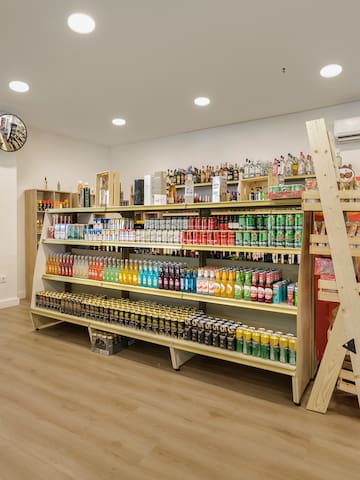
<point x="289" y="318"/>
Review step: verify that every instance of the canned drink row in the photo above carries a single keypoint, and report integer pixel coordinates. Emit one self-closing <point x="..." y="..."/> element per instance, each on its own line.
<point x="169" y="223"/>
<point x="254" y="221"/>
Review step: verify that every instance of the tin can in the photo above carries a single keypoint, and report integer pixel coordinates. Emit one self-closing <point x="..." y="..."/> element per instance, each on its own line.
<point x="216" y="238"/>
<point x="250" y="222"/>
<point x="262" y="239"/>
<point x="231" y="238"/>
<point x="239" y="238"/>
<point x="289" y="238"/>
<point x="242" y="222"/>
<point x="247" y="342"/>
<point x="284" y="349"/>
<point x="197" y="223"/>
<point x="298" y="220"/>
<point x="297" y="238"/>
<point x="210" y="238"/>
<point x="289" y="221"/>
<point x="204" y="223"/>
<point x="280" y="222"/>
<point x="274" y="347"/>
<point x="271" y="238"/>
<point x="292" y="350"/>
<point x="254" y="240"/>
<point x="203" y="237"/>
<point x="189" y="237"/>
<point x="296" y="293"/>
<point x="265" y="345"/>
<point x="224" y="238"/>
<point x="260" y="222"/>
<point x="270" y="222"/>
<point x="279" y="238"/>
<point x="256" y="348"/>
<point x="290" y="293"/>
<point x="239" y="339"/>
<point x="196" y="237"/>
<point x="246" y="239"/>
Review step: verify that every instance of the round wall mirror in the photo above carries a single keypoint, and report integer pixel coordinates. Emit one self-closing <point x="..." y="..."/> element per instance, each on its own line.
<point x="13" y="133"/>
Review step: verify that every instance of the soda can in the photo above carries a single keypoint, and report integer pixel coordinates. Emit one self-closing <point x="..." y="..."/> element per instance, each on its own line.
<point x="289" y="221"/>
<point x="196" y="237"/>
<point x="224" y="238"/>
<point x="204" y="223"/>
<point x="189" y="237"/>
<point x="289" y="238"/>
<point x="250" y="222"/>
<point x="296" y="295"/>
<point x="247" y="342"/>
<point x="265" y="345"/>
<point x="274" y="347"/>
<point x="298" y="221"/>
<point x="254" y="240"/>
<point x="256" y="348"/>
<point x="297" y="238"/>
<point x="216" y="238"/>
<point x="239" y="339"/>
<point x="280" y="222"/>
<point x="204" y="237"/>
<point x="279" y="238"/>
<point x="242" y="222"/>
<point x="260" y="222"/>
<point x="231" y="238"/>
<point x="270" y="222"/>
<point x="239" y="238"/>
<point x="262" y="238"/>
<point x="271" y="238"/>
<point x="197" y="222"/>
<point x="210" y="238"/>
<point x="246" y="239"/>
<point x="292" y="350"/>
<point x="284" y="349"/>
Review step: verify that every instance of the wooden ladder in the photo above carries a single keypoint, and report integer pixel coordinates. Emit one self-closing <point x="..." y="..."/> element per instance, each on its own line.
<point x="345" y="333"/>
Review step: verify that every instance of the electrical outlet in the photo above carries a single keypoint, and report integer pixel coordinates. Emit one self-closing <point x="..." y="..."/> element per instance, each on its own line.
<point x="3" y="278"/>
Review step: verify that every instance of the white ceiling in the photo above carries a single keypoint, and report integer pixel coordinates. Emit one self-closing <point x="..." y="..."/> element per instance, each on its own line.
<point x="148" y="59"/>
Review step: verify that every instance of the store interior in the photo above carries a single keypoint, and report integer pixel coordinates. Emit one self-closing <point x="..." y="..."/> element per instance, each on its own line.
<point x="144" y="64"/>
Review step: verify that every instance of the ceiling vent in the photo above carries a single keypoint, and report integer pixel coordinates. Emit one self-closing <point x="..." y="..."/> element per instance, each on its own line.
<point x="347" y="130"/>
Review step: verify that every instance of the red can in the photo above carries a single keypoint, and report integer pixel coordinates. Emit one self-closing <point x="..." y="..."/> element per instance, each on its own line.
<point x="191" y="223"/>
<point x="231" y="238"/>
<point x="224" y="238"/>
<point x="184" y="237"/>
<point x="216" y="238"/>
<point x="211" y="223"/>
<point x="197" y="225"/>
<point x="196" y="237"/>
<point x="189" y="237"/>
<point x="210" y="238"/>
<point x="203" y="237"/>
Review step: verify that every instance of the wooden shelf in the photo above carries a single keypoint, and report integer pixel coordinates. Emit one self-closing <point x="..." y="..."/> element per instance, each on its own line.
<point x="230" y="302"/>
<point x="207" y="184"/>
<point x="179" y="344"/>
<point x="349" y="200"/>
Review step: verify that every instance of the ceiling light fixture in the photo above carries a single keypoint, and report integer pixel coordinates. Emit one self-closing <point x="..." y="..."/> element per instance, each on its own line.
<point x="18" y="86"/>
<point x="202" y="101"/>
<point x="81" y="23"/>
<point x="119" y="122"/>
<point x="330" y="71"/>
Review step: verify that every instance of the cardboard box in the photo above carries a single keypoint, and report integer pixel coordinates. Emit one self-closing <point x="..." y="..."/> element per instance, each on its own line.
<point x="219" y="189"/>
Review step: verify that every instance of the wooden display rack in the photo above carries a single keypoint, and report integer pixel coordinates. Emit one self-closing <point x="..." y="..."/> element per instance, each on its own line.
<point x="345" y="334"/>
<point x="110" y="182"/>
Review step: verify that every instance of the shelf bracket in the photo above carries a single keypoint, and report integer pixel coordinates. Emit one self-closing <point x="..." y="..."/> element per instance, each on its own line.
<point x="179" y="357"/>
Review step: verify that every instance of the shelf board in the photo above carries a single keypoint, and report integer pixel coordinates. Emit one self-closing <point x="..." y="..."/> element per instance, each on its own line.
<point x="231" y="302"/>
<point x="177" y="246"/>
<point x="180" y="344"/>
<point x="207" y="184"/>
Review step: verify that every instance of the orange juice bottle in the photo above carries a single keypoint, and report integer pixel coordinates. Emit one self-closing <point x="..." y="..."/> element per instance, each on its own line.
<point x="223" y="283"/>
<point x="230" y="286"/>
<point x="217" y="283"/>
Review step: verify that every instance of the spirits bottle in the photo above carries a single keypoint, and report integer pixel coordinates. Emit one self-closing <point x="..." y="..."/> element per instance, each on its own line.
<point x="301" y="164"/>
<point x="189" y="188"/>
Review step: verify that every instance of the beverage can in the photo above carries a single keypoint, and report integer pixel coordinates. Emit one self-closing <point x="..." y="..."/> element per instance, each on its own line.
<point x="284" y="349"/>
<point x="292" y="350"/>
<point x="279" y="238"/>
<point x="274" y="347"/>
<point x="280" y="222"/>
<point x="289" y="238"/>
<point x="289" y="221"/>
<point x="270" y="222"/>
<point x="239" y="238"/>
<point x="271" y="238"/>
<point x="242" y="222"/>
<point x="297" y="238"/>
<point x="260" y="222"/>
<point x="247" y="342"/>
<point x="263" y="239"/>
<point x="256" y="348"/>
<point x="254" y="240"/>
<point x="250" y="222"/>
<point x="265" y="345"/>
<point x="298" y="220"/>
<point x="246" y="239"/>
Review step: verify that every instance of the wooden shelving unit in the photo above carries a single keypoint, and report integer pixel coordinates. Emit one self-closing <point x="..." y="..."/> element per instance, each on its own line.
<point x="344" y="337"/>
<point x="297" y="319"/>
<point x="33" y="220"/>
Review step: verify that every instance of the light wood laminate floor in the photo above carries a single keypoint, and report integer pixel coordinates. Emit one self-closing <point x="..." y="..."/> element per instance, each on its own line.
<point x="67" y="413"/>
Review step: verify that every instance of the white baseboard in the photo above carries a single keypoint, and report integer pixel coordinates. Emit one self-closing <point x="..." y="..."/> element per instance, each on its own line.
<point x="9" y="302"/>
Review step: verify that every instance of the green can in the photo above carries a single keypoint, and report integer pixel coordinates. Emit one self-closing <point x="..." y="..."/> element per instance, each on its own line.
<point x="260" y="222"/>
<point x="280" y="222"/>
<point x="247" y="277"/>
<point x="271" y="238"/>
<point x="239" y="238"/>
<point x="289" y="238"/>
<point x="284" y="349"/>
<point x="274" y="347"/>
<point x="239" y="336"/>
<point x="265" y="345"/>
<point x="289" y="221"/>
<point x="256" y="348"/>
<point x="298" y="221"/>
<point x="279" y="238"/>
<point x="242" y="222"/>
<point x="296" y="293"/>
<point x="297" y="238"/>
<point x="262" y="238"/>
<point x="270" y="222"/>
<point x="250" y="222"/>
<point x="254" y="241"/>
<point x="247" y="342"/>
<point x="246" y="239"/>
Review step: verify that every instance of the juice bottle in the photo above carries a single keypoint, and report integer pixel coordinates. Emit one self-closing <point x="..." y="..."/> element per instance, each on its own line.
<point x="224" y="283"/>
<point x="217" y="287"/>
<point x="230" y="285"/>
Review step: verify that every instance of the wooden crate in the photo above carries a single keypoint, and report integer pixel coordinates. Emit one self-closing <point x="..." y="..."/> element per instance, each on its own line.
<point x="107" y="189"/>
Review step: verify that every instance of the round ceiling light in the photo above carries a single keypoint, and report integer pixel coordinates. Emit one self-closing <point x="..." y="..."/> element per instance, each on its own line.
<point x="202" y="101"/>
<point x="330" y="71"/>
<point x="18" y="86"/>
<point x="81" y="23"/>
<point x="119" y="122"/>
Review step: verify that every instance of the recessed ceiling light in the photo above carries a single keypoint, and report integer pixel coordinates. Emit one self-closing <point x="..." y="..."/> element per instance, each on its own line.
<point x="330" y="71"/>
<point x="18" y="86"/>
<point x="202" y="101"/>
<point x="119" y="122"/>
<point x="81" y="23"/>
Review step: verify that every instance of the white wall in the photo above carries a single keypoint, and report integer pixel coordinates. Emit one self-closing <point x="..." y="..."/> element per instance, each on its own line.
<point x="55" y="157"/>
<point x="260" y="139"/>
<point x="8" y="230"/>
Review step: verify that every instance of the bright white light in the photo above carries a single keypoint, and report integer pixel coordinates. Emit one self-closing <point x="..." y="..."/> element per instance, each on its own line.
<point x="18" y="86"/>
<point x="81" y="23"/>
<point x="330" y="71"/>
<point x="202" y="101"/>
<point x="119" y="122"/>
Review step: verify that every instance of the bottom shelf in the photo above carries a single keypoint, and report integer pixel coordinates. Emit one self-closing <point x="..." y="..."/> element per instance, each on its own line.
<point x="171" y="342"/>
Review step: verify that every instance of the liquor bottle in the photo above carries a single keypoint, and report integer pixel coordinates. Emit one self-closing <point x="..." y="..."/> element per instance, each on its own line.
<point x="275" y="167"/>
<point x="295" y="166"/>
<point x="309" y="168"/>
<point x="301" y="164"/>
<point x="289" y="166"/>
<point x="189" y="188"/>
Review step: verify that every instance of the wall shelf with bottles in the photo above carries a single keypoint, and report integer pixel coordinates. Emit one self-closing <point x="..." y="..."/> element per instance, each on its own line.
<point x="294" y="318"/>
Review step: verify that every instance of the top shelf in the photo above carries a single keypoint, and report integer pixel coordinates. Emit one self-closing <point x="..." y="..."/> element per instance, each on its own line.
<point x="182" y="206"/>
<point x="248" y="180"/>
